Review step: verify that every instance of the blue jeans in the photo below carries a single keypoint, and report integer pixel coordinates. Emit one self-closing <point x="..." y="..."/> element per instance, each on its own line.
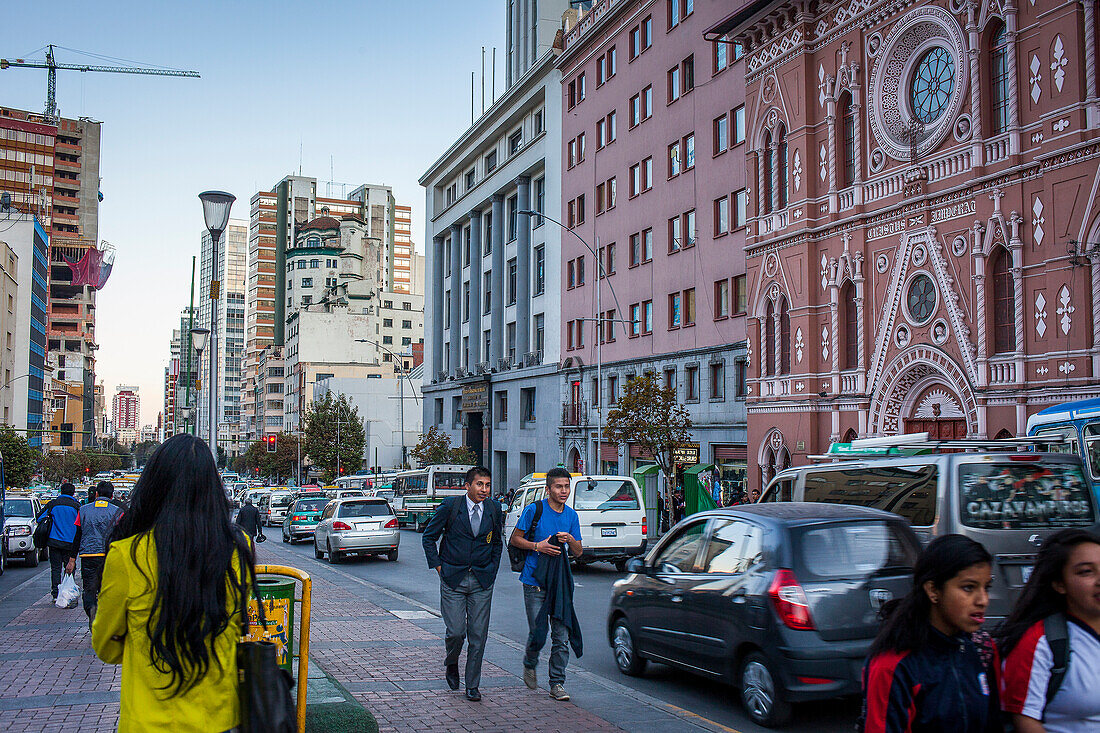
<point x="559" y="637"/>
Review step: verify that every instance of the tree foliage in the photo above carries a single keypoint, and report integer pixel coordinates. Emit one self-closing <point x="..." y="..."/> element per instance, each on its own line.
<point x="73" y="465"/>
<point x="20" y="460"/>
<point x="434" y="447"/>
<point x="334" y="428"/>
<point x="649" y="416"/>
<point x="281" y="464"/>
<point x="143" y="450"/>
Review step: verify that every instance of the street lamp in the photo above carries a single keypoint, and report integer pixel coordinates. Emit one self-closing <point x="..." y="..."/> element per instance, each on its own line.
<point x="199" y="337"/>
<point x="215" y="211"/>
<point x="404" y="373"/>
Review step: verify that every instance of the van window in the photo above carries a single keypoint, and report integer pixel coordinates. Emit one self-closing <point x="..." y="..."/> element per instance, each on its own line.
<point x="1092" y="448"/>
<point x="1024" y="495"/>
<point x="906" y="490"/>
<point x="603" y="494"/>
<point x="780" y="491"/>
<point x="1068" y="434"/>
<point x="281" y="500"/>
<point x="855" y="550"/>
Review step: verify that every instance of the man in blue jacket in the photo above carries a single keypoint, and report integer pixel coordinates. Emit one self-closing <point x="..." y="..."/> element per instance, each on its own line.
<point x="62" y="512"/>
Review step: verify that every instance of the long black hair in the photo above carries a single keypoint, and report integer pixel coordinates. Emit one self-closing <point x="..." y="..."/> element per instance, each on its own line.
<point x="1039" y="599"/>
<point x="906" y="624"/>
<point x="180" y="502"/>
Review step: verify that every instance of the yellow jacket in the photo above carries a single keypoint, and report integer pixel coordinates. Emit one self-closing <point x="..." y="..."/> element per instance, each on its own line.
<point x="119" y="635"/>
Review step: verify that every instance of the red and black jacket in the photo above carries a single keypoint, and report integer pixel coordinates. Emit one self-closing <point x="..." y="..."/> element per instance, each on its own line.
<point x="950" y="686"/>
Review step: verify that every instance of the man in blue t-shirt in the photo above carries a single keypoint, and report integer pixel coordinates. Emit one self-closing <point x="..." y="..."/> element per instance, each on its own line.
<point x="558" y="526"/>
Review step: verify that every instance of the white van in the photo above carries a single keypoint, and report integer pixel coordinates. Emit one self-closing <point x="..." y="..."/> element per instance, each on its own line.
<point x="611" y="512"/>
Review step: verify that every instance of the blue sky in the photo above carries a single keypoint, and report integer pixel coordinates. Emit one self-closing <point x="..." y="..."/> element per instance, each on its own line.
<point x="381" y="87"/>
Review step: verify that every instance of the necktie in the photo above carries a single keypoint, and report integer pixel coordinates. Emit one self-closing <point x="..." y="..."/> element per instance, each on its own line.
<point x="475" y="518"/>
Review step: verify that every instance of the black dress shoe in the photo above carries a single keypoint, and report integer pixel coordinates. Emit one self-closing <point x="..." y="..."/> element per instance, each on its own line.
<point x="452" y="676"/>
<point x="473" y="694"/>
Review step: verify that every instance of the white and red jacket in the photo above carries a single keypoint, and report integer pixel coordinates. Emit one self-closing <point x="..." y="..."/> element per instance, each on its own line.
<point x="1076" y="706"/>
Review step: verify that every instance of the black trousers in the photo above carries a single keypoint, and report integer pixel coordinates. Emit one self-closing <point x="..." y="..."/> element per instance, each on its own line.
<point x="91" y="575"/>
<point x="58" y="560"/>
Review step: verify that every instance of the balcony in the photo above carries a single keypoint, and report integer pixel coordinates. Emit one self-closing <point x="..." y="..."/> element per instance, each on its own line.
<point x="574" y="414"/>
<point x="1002" y="372"/>
<point x="996" y="150"/>
<point x="773" y="222"/>
<point x="846" y="199"/>
<point x="851" y="382"/>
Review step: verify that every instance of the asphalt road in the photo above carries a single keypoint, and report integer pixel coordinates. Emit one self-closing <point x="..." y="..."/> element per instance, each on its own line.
<point x="410" y="576"/>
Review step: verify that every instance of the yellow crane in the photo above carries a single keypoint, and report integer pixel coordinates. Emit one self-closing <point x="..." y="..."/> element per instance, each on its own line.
<point x="51" y="65"/>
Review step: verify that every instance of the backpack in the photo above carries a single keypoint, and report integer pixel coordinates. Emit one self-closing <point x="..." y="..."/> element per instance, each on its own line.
<point x="516" y="556"/>
<point x="42" y="531"/>
<point x="1056" y="630"/>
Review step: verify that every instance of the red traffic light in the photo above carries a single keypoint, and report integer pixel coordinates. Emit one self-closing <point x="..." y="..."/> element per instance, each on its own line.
<point x="271" y="443"/>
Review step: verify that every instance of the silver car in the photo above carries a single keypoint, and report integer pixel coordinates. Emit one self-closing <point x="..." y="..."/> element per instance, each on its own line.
<point x="356" y="525"/>
<point x="20" y="520"/>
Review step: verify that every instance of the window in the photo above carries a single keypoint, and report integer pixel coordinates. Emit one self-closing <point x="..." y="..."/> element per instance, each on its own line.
<point x="540" y="201"/>
<point x="740" y="294"/>
<point x="447" y="310"/>
<point x="510" y="341"/>
<point x="689" y="307"/>
<point x="600" y="198"/>
<point x="406" y="324"/>
<point x="717" y="380"/>
<point x="998" y="69"/>
<point x="580" y="270"/>
<point x="490" y="162"/>
<point x="635" y="110"/>
<point x="721" y="130"/>
<point x="540" y="333"/>
<point x="502" y="406"/>
<point x="580" y="209"/>
<point x="307" y="282"/>
<point x="740" y="208"/>
<point x="647" y="102"/>
<point x="647" y="174"/>
<point x="768" y="347"/>
<point x="781" y="153"/>
<point x="540" y="122"/>
<point x="512" y="281"/>
<point x="611" y="124"/>
<point x="1004" y="303"/>
<point x="609" y="259"/>
<point x="487" y="289"/>
<point x="612" y="389"/>
<point x="471" y="178"/>
<point x="513" y="208"/>
<point x="601" y="70"/>
<point x="571" y="274"/>
<point x="635" y="42"/>
<point x="635" y="249"/>
<point x="674" y="159"/>
<point x="488" y="233"/>
<point x="851" y="326"/>
<point x="647" y="32"/>
<point x="689" y="228"/>
<point x="721" y="216"/>
<point x="721" y="56"/>
<point x="466" y="246"/>
<point x="691" y="383"/>
<point x="572" y="94"/>
<point x="688" y="73"/>
<point x="515" y="142"/>
<point x="721" y="299"/>
<point x="635" y="319"/>
<point x="673" y="84"/>
<point x="314" y="264"/>
<point x="527" y="405"/>
<point x="580" y="148"/>
<point x="647" y="317"/>
<point x="571" y="153"/>
<point x="647" y="245"/>
<point x="465" y="304"/>
<point x="438" y="412"/>
<point x="580" y="87"/>
<point x="609" y="325"/>
<point x="673" y="13"/>
<point x="635" y="182"/>
<point x="601" y="132"/>
<point x="307" y="299"/>
<point x="674" y="238"/>
<point x="680" y="553"/>
<point x="387" y="323"/>
<point x="670" y="378"/>
<point x="738" y="125"/>
<point x="612" y="65"/>
<point x="769" y="163"/>
<point x="848" y="140"/>
<point x="674" y="310"/>
<point x="741" y="379"/>
<point x="784" y="338"/>
<point x="540" y="270"/>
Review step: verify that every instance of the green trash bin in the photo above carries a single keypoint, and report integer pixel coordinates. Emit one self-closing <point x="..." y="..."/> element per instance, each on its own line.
<point x="277" y="594"/>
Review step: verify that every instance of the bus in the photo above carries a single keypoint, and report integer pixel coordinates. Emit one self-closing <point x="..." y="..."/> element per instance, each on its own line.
<point x="417" y="493"/>
<point x="364" y="481"/>
<point x="1078" y="423"/>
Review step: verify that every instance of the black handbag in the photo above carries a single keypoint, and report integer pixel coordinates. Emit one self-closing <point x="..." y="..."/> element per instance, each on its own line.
<point x="264" y="687"/>
<point x="42" y="531"/>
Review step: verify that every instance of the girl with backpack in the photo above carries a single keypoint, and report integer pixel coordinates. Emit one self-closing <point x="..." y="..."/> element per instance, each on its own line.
<point x="931" y="668"/>
<point x="1051" y="640"/>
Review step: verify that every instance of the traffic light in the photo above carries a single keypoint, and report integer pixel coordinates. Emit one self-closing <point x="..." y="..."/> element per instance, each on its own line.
<point x="271" y="439"/>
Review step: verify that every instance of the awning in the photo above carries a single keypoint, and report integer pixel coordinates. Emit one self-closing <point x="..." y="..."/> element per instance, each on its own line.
<point x="731" y="453"/>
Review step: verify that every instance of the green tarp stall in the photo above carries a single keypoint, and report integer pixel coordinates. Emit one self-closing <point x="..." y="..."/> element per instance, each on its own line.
<point x="698" y="488"/>
<point x="647" y="477"/>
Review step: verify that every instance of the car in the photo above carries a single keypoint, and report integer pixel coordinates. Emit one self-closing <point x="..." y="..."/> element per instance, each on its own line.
<point x="21" y="514"/>
<point x="357" y="525"/>
<point x="303" y="515"/>
<point x="780" y="600"/>
<point x="273" y="506"/>
<point x="345" y="493"/>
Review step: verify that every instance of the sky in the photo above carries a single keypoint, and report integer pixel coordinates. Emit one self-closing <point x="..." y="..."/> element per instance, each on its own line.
<point x="376" y="90"/>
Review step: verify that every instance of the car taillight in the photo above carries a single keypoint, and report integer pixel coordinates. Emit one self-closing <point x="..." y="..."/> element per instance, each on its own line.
<point x="790" y="601"/>
<point x="645" y="527"/>
<point x="338" y="526"/>
<point x="297" y="518"/>
<point x="392" y="524"/>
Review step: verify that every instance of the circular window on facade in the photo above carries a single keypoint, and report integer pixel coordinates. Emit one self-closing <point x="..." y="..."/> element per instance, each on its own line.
<point x="921" y="299"/>
<point x="932" y="84"/>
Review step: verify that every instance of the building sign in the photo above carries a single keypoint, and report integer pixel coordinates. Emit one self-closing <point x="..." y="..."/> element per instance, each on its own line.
<point x="897" y="226"/>
<point x="687" y="454"/>
<point x="954" y="211"/>
<point x="475" y="397"/>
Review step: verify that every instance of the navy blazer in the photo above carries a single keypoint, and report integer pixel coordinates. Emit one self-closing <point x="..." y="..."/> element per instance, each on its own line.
<point x="459" y="549"/>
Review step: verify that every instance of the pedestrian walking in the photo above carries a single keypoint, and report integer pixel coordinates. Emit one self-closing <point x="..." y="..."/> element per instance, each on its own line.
<point x="174" y="587"/>
<point x="61" y="513"/>
<point x="94" y="524"/>
<point x="546" y="529"/>
<point x="468" y="532"/>
<point x="248" y="519"/>
<point x="1051" y="640"/>
<point x="931" y="668"/>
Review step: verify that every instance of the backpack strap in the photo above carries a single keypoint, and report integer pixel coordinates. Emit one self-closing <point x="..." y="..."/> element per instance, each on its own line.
<point x="530" y="533"/>
<point x="1056" y="629"/>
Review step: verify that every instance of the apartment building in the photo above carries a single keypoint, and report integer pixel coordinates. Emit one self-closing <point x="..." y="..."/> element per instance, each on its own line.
<point x="9" y="325"/>
<point x="126" y="414"/>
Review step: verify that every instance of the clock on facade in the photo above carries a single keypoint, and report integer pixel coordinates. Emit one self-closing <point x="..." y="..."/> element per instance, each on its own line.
<point x="921" y="298"/>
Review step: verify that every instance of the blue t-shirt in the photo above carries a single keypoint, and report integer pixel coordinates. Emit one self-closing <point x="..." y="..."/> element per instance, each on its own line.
<point x="550" y="523"/>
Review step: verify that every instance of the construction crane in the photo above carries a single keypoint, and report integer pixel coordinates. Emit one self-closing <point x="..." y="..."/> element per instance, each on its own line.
<point x="52" y="66"/>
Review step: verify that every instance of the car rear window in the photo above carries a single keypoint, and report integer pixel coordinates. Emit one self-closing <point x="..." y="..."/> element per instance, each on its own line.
<point x="365" y="509"/>
<point x="281" y="500"/>
<point x="854" y="550"/>
<point x="603" y="494"/>
<point x="311" y="505"/>
<point x="906" y="490"/>
<point x="1024" y="495"/>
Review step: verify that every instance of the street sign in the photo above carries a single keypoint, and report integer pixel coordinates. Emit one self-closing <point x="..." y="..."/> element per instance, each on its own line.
<point x="215" y="289"/>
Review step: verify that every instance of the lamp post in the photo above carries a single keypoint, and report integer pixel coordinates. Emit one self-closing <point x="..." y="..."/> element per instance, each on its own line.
<point x="199" y="337"/>
<point x="215" y="211"/>
<point x="404" y="373"/>
<point x="599" y="328"/>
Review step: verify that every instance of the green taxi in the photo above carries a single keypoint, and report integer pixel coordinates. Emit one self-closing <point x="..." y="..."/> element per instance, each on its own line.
<point x="303" y="515"/>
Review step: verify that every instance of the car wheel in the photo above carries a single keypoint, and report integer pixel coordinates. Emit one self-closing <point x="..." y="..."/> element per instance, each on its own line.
<point x="286" y="539"/>
<point x="32" y="558"/>
<point x="332" y="557"/>
<point x="626" y="655"/>
<point x="760" y="692"/>
<point x="392" y="555"/>
<point x="317" y="553"/>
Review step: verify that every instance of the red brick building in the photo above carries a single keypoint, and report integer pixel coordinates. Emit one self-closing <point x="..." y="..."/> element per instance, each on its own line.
<point x="924" y="236"/>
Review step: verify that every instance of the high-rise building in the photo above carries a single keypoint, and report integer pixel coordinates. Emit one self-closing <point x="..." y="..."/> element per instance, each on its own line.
<point x="182" y="372"/>
<point x="403" y="253"/>
<point x="10" y="302"/>
<point x="493" y="294"/>
<point x="231" y="270"/>
<point x="126" y="413"/>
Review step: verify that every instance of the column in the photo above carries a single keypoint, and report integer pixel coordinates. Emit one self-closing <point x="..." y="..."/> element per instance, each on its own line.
<point x="830" y="120"/>
<point x="758" y="180"/>
<point x="1093" y="112"/>
<point x="973" y="56"/>
<point x="437" y="306"/>
<point x="1016" y="245"/>
<point x="497" y="314"/>
<point x="834" y="327"/>
<point x="979" y="296"/>
<point x="857" y="115"/>
<point x="1094" y="267"/>
<point x="475" y="289"/>
<point x="1013" y="78"/>
<point x="523" y="270"/>
<point x="861" y="347"/>
<point x="456" y="296"/>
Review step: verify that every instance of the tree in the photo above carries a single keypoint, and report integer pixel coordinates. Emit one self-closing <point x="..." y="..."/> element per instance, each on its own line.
<point x="143" y="451"/>
<point x="650" y="417"/>
<point x="280" y="464"/>
<point x="434" y="447"/>
<point x="334" y="436"/>
<point x="20" y="459"/>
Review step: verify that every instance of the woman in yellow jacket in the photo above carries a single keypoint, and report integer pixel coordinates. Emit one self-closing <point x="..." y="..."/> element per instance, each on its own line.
<point x="170" y="605"/>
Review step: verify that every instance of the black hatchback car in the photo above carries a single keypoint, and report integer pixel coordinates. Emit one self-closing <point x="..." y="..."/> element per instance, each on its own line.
<point x="781" y="600"/>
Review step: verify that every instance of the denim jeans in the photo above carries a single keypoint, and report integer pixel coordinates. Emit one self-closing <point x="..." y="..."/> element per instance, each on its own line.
<point x="559" y="637"/>
<point x="58" y="560"/>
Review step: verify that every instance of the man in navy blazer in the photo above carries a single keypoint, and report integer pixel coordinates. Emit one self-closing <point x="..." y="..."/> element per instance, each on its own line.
<point x="468" y="530"/>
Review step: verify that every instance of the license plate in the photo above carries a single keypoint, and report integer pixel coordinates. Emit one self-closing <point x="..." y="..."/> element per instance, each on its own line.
<point x="609" y="532"/>
<point x="366" y="526"/>
<point x="1025" y="572"/>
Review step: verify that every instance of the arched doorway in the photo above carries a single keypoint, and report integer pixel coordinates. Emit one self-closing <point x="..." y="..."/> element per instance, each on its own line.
<point x="575" y="461"/>
<point x="936" y="411"/>
<point x="923" y="390"/>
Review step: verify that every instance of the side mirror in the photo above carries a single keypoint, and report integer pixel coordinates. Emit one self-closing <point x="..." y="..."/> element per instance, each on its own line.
<point x="635" y="565"/>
